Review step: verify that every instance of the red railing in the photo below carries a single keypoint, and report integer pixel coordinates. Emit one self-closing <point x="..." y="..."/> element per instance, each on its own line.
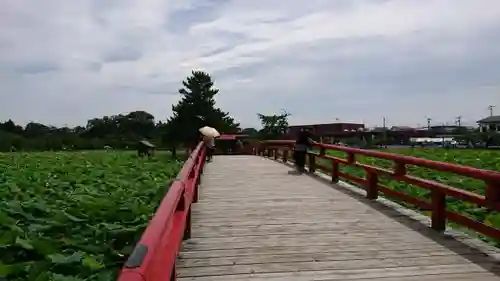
<point x="439" y="191"/>
<point x="154" y="256"/>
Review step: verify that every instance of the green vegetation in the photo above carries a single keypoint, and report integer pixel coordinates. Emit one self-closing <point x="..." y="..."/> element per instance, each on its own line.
<point x="76" y="215"/>
<point x="483" y="159"/>
<point x="273" y="126"/>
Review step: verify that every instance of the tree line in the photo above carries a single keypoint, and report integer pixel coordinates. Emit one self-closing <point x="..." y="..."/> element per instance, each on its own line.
<point x="196" y="109"/>
<point x="122" y="131"/>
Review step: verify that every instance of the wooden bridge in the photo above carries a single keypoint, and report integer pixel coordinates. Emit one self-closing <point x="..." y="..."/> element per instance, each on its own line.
<point x="245" y="218"/>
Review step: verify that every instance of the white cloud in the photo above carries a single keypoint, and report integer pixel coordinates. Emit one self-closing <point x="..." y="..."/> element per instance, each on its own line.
<point x="64" y="62"/>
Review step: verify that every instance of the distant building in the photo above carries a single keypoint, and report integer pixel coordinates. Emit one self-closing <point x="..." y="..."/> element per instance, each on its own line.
<point x="327" y="130"/>
<point x="489" y="124"/>
<point x="449" y="129"/>
<point x="402" y="129"/>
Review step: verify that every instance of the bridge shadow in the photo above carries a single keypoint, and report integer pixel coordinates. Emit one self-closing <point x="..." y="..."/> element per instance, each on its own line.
<point x="468" y="247"/>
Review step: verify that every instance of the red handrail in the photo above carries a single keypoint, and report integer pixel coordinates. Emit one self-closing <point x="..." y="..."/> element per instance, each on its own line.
<point x="154" y="255"/>
<point x="439" y="191"/>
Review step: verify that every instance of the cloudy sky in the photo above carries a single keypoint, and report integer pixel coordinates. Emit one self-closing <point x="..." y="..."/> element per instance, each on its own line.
<point x="63" y="62"/>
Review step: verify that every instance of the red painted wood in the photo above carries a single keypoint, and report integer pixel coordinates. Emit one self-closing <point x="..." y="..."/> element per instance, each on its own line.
<point x="439" y="191"/>
<point x="169" y="226"/>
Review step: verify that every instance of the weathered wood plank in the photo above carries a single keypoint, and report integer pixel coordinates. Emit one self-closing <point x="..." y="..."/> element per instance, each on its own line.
<point x="313" y="265"/>
<point x="425" y="273"/>
<point x="312" y="249"/>
<point x="253" y="221"/>
<point x="318" y="256"/>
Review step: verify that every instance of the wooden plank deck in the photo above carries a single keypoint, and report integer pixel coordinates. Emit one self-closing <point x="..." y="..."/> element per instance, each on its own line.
<point x="253" y="221"/>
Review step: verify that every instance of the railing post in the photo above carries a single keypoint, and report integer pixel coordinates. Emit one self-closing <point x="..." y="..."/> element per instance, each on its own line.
<point x="312" y="163"/>
<point x="322" y="151"/>
<point x="276" y="154"/>
<point x="492" y="195"/>
<point x="196" y="186"/>
<point x="182" y="206"/>
<point x="335" y="171"/>
<point x="187" y="230"/>
<point x="351" y="158"/>
<point x="285" y="155"/>
<point x="371" y="185"/>
<point x="399" y="169"/>
<point x="173" y="276"/>
<point x="438" y="216"/>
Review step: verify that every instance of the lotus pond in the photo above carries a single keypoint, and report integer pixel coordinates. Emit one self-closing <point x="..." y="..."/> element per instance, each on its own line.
<point x="74" y="216"/>
<point x="482" y="159"/>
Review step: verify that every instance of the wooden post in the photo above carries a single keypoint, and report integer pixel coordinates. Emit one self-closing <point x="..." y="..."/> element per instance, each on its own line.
<point x="312" y="163"/>
<point x="322" y="151"/>
<point x="371" y="185"/>
<point x="438" y="216"/>
<point x="187" y="230"/>
<point x="285" y="156"/>
<point x="335" y="171"/>
<point x="399" y="169"/>
<point x="492" y="195"/>
<point x="351" y="158"/>
<point x="276" y="154"/>
<point x="196" y="186"/>
<point x="173" y="276"/>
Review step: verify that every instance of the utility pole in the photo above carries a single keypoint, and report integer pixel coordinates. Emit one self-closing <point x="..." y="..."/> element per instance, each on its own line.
<point x="384" y="136"/>
<point x="490" y="108"/>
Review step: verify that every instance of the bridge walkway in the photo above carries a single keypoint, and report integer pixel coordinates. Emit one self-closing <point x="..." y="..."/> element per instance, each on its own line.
<point x="254" y="221"/>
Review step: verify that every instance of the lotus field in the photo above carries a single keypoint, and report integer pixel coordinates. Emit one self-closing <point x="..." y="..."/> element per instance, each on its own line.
<point x="74" y="216"/>
<point x="482" y="159"/>
<point x="71" y="216"/>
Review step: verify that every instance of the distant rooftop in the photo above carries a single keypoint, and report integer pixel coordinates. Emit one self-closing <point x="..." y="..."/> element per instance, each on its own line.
<point x="323" y="124"/>
<point x="491" y="119"/>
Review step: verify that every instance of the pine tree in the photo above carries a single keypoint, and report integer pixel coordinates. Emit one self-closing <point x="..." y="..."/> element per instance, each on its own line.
<point x="195" y="110"/>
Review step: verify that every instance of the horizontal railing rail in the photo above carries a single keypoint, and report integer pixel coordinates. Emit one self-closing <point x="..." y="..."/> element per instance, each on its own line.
<point x="154" y="255"/>
<point x="371" y="183"/>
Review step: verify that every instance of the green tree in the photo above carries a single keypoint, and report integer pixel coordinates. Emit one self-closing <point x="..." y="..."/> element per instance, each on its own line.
<point x="118" y="131"/>
<point x="122" y="131"/>
<point x="195" y="110"/>
<point x="250" y="131"/>
<point x="273" y="126"/>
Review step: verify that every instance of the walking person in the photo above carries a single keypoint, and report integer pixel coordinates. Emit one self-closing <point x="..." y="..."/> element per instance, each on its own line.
<point x="209" y="134"/>
<point x="302" y="144"/>
<point x="209" y="142"/>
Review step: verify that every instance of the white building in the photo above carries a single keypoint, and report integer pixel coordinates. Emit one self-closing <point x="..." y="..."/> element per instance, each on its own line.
<point x="489" y="124"/>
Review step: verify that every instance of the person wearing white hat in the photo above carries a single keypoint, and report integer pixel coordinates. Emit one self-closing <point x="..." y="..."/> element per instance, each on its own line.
<point x="209" y="135"/>
<point x="210" y="144"/>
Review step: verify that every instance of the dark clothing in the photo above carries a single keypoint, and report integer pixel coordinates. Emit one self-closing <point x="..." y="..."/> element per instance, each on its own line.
<point x="210" y="152"/>
<point x="300" y="159"/>
<point x="303" y="138"/>
<point x="302" y="143"/>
